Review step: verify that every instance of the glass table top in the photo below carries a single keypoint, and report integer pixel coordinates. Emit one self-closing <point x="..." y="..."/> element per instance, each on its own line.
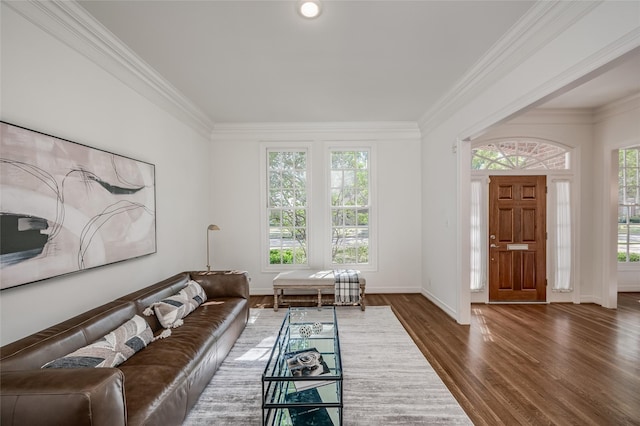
<point x="304" y="371"/>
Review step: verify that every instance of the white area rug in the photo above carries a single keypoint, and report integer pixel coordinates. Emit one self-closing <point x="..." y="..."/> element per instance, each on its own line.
<point x="387" y="380"/>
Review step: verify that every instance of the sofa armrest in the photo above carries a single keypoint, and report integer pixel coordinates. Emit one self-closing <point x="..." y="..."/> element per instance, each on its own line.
<point x="223" y="283"/>
<point x="79" y="396"/>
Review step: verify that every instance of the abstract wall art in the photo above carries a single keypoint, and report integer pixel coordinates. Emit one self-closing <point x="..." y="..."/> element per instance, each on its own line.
<point x="66" y="207"/>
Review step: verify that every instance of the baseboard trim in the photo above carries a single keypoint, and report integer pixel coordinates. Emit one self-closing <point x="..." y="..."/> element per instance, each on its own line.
<point x="629" y="288"/>
<point x="591" y="299"/>
<point x="440" y="304"/>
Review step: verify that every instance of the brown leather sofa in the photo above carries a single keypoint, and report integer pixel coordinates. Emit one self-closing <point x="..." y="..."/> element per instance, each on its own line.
<point x="156" y="386"/>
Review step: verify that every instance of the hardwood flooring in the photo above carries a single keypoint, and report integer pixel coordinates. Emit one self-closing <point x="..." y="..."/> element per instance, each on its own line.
<point x="558" y="364"/>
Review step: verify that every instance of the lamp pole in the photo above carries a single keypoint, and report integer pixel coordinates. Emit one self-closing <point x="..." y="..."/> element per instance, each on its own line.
<point x="210" y="228"/>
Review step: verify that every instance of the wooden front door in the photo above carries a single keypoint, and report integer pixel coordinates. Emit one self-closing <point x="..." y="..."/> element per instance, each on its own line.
<point x="517" y="238"/>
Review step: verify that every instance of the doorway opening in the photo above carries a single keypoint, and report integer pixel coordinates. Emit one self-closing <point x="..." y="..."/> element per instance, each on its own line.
<point x="522" y="238"/>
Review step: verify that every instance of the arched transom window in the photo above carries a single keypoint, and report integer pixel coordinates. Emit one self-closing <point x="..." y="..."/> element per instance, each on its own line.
<point x="520" y="154"/>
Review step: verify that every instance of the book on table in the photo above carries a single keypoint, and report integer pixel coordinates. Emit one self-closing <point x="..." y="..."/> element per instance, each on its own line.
<point x="308" y="415"/>
<point x="307" y="363"/>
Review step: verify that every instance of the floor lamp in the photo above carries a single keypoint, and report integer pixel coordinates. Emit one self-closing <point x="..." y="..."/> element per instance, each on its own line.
<point x="210" y="228"/>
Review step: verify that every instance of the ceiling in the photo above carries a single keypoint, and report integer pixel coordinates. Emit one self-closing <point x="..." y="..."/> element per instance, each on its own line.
<point x="615" y="81"/>
<point x="360" y="61"/>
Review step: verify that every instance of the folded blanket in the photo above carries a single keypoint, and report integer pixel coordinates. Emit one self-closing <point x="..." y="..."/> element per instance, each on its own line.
<point x="347" y="290"/>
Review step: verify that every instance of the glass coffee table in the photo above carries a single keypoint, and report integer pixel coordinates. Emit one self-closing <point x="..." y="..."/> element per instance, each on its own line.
<point x="302" y="381"/>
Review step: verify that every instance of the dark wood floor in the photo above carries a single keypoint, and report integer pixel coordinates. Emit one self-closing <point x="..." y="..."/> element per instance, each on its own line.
<point x="559" y="364"/>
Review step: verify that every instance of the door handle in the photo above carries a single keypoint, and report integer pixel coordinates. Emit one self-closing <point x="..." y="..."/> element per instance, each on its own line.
<point x="494" y="246"/>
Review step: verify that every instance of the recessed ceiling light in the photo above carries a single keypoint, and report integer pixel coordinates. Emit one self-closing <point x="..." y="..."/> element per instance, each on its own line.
<point x="309" y="8"/>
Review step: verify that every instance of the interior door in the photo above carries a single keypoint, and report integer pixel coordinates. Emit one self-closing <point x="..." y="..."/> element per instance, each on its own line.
<point x="517" y="238"/>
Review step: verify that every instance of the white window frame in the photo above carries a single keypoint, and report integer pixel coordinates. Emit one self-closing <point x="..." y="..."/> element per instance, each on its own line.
<point x="624" y="266"/>
<point x="480" y="238"/>
<point x="510" y="166"/>
<point x="553" y="241"/>
<point x="369" y="146"/>
<point x="265" y="148"/>
<point x="319" y="203"/>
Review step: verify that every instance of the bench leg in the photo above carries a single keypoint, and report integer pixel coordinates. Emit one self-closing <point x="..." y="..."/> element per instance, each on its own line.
<point x="362" y="306"/>
<point x="275" y="299"/>
<point x="319" y="298"/>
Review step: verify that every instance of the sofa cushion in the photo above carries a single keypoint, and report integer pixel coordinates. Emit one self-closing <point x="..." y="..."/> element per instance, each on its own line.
<point x="111" y="350"/>
<point x="191" y="355"/>
<point x="171" y="310"/>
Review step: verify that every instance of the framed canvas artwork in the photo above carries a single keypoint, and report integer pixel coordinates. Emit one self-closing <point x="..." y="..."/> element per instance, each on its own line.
<point x="66" y="207"/>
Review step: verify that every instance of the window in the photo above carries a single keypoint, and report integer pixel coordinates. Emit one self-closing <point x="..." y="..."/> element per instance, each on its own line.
<point x="562" y="277"/>
<point x="350" y="206"/>
<point x="287" y="208"/>
<point x="628" y="205"/>
<point x="478" y="256"/>
<point x="519" y="155"/>
<point x="316" y="208"/>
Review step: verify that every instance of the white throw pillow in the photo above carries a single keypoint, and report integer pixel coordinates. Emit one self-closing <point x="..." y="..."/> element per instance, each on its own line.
<point x="171" y="310"/>
<point x="112" y="349"/>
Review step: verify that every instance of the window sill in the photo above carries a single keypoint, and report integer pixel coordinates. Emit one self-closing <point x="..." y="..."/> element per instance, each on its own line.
<point x="630" y="266"/>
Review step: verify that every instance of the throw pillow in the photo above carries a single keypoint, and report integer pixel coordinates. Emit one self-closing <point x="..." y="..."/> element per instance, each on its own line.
<point x="112" y="349"/>
<point x="171" y="310"/>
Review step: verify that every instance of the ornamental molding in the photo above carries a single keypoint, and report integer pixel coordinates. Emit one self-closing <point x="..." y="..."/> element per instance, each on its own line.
<point x="544" y="116"/>
<point x="540" y="25"/>
<point x="73" y="25"/>
<point x="621" y="106"/>
<point x="572" y="77"/>
<point x="331" y="131"/>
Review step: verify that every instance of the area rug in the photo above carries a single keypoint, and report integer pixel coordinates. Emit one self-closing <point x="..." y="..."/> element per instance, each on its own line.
<point x="387" y="380"/>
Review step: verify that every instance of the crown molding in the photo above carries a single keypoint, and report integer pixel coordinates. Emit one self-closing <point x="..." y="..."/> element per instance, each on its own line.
<point x="392" y="130"/>
<point x="73" y="25"/>
<point x="542" y="23"/>
<point x="621" y="106"/>
<point x="572" y="77"/>
<point x="555" y="116"/>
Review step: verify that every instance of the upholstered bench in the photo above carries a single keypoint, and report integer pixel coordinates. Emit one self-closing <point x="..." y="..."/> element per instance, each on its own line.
<point x="311" y="280"/>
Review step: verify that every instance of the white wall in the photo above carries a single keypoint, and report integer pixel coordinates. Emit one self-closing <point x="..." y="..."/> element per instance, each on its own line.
<point x="617" y="126"/>
<point x="48" y="87"/>
<point x="600" y="35"/>
<point x="236" y="203"/>
<point x="440" y="269"/>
